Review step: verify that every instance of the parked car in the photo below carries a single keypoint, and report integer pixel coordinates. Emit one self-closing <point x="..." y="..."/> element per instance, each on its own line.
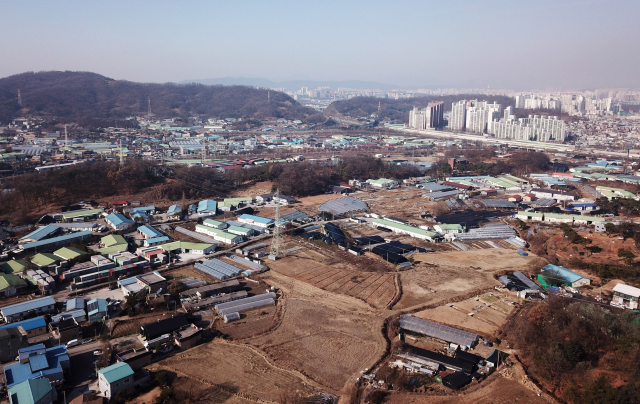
<point x="73" y="342"/>
<point x="86" y="341"/>
<point x="98" y="352"/>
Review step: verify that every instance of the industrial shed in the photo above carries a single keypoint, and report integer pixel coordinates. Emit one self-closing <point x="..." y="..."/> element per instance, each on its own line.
<point x="438" y="331"/>
<point x="161" y="327"/>
<point x="343" y="205"/>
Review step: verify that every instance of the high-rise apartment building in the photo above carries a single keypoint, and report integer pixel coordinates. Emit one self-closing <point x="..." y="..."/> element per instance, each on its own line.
<point x="429" y="118"/>
<point x="535" y="127"/>
<point x="458" y="116"/>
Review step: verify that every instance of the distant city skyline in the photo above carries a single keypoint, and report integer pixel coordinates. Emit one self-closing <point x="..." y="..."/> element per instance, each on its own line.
<point x="517" y="45"/>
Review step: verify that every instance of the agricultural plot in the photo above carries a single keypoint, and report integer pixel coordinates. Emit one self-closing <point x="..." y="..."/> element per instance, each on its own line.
<point x="456" y="275"/>
<point x="377" y="289"/>
<point x="328" y="339"/>
<point x="235" y="370"/>
<point x="251" y="323"/>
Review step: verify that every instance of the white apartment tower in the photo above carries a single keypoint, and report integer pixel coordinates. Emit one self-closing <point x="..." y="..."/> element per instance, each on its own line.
<point x="458" y="116"/>
<point x="428" y="118"/>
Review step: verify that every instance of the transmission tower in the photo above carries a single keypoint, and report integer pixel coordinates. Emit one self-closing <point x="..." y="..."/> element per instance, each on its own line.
<point x="277" y="241"/>
<point x="149" y="106"/>
<point x="19" y="98"/>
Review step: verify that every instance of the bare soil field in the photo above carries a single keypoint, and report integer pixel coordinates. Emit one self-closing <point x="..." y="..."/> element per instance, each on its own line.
<point x="251" y="323"/>
<point x="314" y="268"/>
<point x="443" y="276"/>
<point x="489" y="315"/>
<point x="240" y="372"/>
<point x="496" y="390"/>
<point x="190" y="271"/>
<point x="328" y="337"/>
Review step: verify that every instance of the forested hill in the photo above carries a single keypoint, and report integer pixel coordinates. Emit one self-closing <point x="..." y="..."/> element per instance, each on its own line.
<point x="89" y="95"/>
<point x="399" y="109"/>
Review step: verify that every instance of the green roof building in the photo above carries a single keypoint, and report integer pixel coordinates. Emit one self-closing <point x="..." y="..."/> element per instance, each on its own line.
<point x="14" y="266"/>
<point x="43" y="260"/>
<point x="69" y="253"/>
<point x="115" y="378"/>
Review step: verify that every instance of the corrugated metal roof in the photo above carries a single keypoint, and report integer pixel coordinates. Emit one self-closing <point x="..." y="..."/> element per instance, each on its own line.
<point x="40" y="233"/>
<point x="38" y="362"/>
<point x="149" y="231"/>
<point x="343" y="205"/>
<point x="439" y="331"/>
<point x="116" y="372"/>
<point x="28" y="325"/>
<point x="28" y="305"/>
<point x="55" y="240"/>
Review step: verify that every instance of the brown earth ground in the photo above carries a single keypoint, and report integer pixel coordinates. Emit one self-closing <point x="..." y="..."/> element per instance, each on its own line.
<point x="329" y="337"/>
<point x="443" y="276"/>
<point x="234" y="370"/>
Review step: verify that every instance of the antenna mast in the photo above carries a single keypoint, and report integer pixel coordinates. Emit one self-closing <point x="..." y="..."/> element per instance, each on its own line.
<point x="149" y="106"/>
<point x="19" y="98"/>
<point x="276" y="240"/>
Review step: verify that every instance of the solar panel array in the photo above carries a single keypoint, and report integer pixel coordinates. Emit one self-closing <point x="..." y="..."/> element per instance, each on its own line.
<point x="197" y="236"/>
<point x="210" y="271"/>
<point x="438" y="331"/>
<point x="343" y="205"/>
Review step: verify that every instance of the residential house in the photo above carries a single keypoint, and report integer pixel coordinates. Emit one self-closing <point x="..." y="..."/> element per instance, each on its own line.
<point x="114" y="379"/>
<point x="36" y="361"/>
<point x="148" y="232"/>
<point x="11" y="341"/>
<point x="33" y="326"/>
<point x="187" y="336"/>
<point x="66" y="330"/>
<point x="32" y="391"/>
<point x="174" y="212"/>
<point x="626" y="296"/>
<point x="97" y="309"/>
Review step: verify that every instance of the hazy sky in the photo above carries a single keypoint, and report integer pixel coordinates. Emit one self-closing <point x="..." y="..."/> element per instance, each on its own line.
<point x="503" y="43"/>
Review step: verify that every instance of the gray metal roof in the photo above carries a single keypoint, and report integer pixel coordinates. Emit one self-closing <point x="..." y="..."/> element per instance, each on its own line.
<point x="343" y="205"/>
<point x="439" y="331"/>
<point x="498" y="203"/>
<point x="527" y="281"/>
<point x="197" y="236"/>
<point x="295" y="215"/>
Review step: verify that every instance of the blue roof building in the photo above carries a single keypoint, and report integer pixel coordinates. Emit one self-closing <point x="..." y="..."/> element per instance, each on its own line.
<point x="26" y="309"/>
<point x="40" y="233"/>
<point x="564" y="276"/>
<point x="156" y="240"/>
<point x="60" y="240"/>
<point x="118" y="221"/>
<point x="207" y="207"/>
<point x="36" y="362"/>
<point x="140" y="216"/>
<point x="33" y="326"/>
<point x="32" y="391"/>
<point x="146" y="209"/>
<point x="174" y="209"/>
<point x="255" y="220"/>
<point x="149" y="232"/>
<point x="97" y="309"/>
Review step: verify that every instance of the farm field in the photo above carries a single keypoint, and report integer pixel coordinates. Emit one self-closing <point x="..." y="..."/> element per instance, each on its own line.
<point x="497" y="390"/>
<point x="489" y="313"/>
<point x="312" y="267"/>
<point x="443" y="276"/>
<point x="251" y="323"/>
<point x="234" y="370"/>
<point x="328" y="337"/>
